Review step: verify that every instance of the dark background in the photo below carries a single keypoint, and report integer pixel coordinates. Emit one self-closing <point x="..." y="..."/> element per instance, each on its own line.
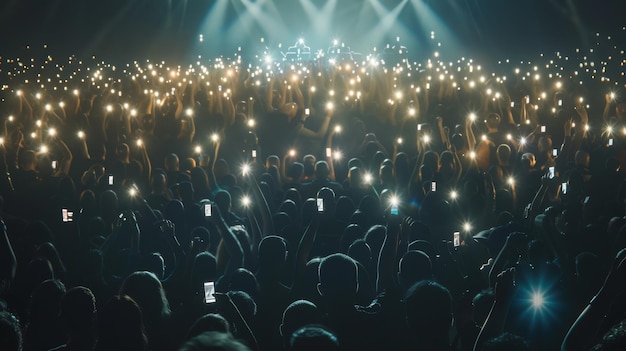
<point x="122" y="30"/>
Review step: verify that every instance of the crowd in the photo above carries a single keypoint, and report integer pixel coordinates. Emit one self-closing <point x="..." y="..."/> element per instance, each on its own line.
<point x="312" y="205"/>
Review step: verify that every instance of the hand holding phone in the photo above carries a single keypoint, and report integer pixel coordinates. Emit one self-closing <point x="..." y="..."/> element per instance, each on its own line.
<point x="457" y="239"/>
<point x="320" y="204"/>
<point x="209" y="290"/>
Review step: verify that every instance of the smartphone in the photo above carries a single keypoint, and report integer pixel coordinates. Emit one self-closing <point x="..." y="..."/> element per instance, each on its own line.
<point x="110" y="180"/>
<point x="209" y="289"/>
<point x="320" y="205"/>
<point x="329" y="152"/>
<point x="512" y="104"/>
<point x="307" y="111"/>
<point x="433" y="186"/>
<point x="527" y="99"/>
<point x="611" y="142"/>
<point x="54" y="165"/>
<point x="394" y="209"/>
<point x="253" y="153"/>
<point x="457" y="239"/>
<point x="419" y="127"/>
<point x="564" y="188"/>
<point x="543" y="129"/>
<point x="207" y="210"/>
<point x="560" y="102"/>
<point x="555" y="152"/>
<point x="66" y="215"/>
<point x="551" y="172"/>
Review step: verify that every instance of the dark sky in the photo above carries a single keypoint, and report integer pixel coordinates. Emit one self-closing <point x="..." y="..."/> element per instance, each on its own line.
<point x="127" y="29"/>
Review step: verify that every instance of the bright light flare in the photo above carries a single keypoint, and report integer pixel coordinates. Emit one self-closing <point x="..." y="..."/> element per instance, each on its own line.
<point x="245" y="169"/>
<point x="245" y="201"/>
<point x="394" y="200"/>
<point x="467" y="226"/>
<point x="367" y="178"/>
<point x="538" y="300"/>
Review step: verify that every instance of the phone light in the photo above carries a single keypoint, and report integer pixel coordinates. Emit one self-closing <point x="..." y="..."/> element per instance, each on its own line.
<point x="511" y="181"/>
<point x="251" y="123"/>
<point x="139" y="142"/>
<point x="337" y="155"/>
<point x="292" y="152"/>
<point x="245" y="201"/>
<point x="1" y="141"/>
<point x="472" y="155"/>
<point x="454" y="195"/>
<point x="412" y="112"/>
<point x="215" y="138"/>
<point x="367" y="178"/>
<point x="109" y="108"/>
<point x="132" y="192"/>
<point x="52" y="132"/>
<point x="612" y="95"/>
<point x="43" y="149"/>
<point x="133" y="112"/>
<point x="472" y="116"/>
<point x="330" y="106"/>
<point x="245" y="169"/>
<point x="197" y="149"/>
<point x="338" y="129"/>
<point x="467" y="226"/>
<point x="11" y="118"/>
<point x="189" y="112"/>
<point x="394" y="200"/>
<point x="426" y="139"/>
<point x="399" y="141"/>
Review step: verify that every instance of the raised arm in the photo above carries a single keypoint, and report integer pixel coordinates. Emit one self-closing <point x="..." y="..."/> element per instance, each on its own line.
<point x="388" y="253"/>
<point x="8" y="262"/>
<point x="233" y="247"/>
<point x="494" y="324"/>
<point x="588" y="327"/>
